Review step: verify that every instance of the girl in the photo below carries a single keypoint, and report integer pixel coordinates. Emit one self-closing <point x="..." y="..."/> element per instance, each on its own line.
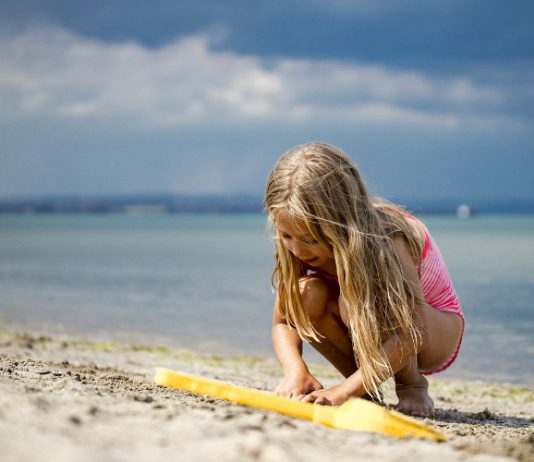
<point x="359" y="279"/>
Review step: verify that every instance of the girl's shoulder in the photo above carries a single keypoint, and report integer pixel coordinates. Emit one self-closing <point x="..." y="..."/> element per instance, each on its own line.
<point x="395" y="217"/>
<point x="400" y="223"/>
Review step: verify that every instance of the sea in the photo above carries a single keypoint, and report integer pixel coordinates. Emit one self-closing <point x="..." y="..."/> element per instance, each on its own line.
<point x="202" y="282"/>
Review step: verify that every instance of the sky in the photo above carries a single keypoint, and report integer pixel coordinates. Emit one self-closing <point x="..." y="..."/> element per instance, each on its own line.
<point x="431" y="99"/>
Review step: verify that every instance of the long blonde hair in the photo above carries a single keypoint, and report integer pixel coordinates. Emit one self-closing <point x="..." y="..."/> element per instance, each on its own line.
<point x="321" y="186"/>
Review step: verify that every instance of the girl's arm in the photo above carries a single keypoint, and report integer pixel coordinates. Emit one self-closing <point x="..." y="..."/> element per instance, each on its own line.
<point x="297" y="380"/>
<point x="287" y="344"/>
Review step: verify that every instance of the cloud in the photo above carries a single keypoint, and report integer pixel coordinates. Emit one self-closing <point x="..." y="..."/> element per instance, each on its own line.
<point x="53" y="73"/>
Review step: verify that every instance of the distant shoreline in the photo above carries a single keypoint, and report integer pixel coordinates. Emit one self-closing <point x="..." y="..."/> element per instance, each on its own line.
<point x="230" y="204"/>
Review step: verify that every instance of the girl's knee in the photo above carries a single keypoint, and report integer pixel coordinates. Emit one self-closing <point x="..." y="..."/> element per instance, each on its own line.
<point x="316" y="295"/>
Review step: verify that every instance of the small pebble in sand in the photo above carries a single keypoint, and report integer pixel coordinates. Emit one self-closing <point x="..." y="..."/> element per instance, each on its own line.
<point x="75" y="420"/>
<point x="143" y="399"/>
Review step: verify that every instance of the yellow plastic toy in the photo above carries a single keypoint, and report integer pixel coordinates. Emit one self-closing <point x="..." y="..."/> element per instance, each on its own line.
<point x="355" y="414"/>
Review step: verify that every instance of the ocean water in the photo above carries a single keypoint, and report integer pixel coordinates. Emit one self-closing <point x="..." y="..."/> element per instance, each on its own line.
<point x="202" y="282"/>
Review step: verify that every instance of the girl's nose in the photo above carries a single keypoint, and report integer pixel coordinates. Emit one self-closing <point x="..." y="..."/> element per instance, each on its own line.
<point x="297" y="250"/>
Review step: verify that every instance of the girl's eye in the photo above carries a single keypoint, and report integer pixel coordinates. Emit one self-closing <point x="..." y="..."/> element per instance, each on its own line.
<point x="305" y="241"/>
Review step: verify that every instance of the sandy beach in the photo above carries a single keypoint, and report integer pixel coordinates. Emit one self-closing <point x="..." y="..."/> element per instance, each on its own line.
<point x="66" y="399"/>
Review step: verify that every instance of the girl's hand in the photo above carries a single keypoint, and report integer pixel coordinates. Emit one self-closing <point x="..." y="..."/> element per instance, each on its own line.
<point x="333" y="396"/>
<point x="296" y="385"/>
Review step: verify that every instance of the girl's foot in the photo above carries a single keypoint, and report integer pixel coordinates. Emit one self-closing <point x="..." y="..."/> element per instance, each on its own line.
<point x="414" y="398"/>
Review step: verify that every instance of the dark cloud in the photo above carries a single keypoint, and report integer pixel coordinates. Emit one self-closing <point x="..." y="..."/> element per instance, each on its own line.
<point x="413" y="33"/>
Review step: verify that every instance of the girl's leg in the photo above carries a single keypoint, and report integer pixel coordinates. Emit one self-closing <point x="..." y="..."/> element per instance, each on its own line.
<point x="441" y="333"/>
<point x="412" y="391"/>
<point x="320" y="299"/>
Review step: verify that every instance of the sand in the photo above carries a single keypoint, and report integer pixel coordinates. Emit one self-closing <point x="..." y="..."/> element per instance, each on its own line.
<point x="66" y="399"/>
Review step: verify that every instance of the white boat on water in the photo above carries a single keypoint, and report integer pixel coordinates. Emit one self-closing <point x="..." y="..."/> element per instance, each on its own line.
<point x="463" y="211"/>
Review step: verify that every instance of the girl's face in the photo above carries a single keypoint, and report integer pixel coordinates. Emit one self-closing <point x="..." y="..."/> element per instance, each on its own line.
<point x="303" y="246"/>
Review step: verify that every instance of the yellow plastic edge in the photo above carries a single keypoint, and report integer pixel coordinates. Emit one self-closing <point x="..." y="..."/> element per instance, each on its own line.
<point x="355" y="414"/>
